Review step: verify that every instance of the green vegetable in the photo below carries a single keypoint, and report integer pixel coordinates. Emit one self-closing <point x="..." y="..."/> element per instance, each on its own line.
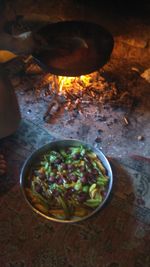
<point x="63" y="153"/>
<point x="92" y="187"/>
<point x="85" y="188"/>
<point x="101" y="167"/>
<point x="52" y="187"/>
<point x="83" y="151"/>
<point x="102" y="180"/>
<point x="77" y="173"/>
<point x="93" y="203"/>
<point x="78" y="185"/>
<point x="75" y="150"/>
<point x="66" y="185"/>
<point x="64" y="206"/>
<point x="79" y="163"/>
<point x="39" y="197"/>
<point x="92" y="155"/>
<point x="46" y="166"/>
<point x="52" y="158"/>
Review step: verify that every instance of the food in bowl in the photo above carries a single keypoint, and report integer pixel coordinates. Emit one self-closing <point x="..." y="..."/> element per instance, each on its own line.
<point x="67" y="183"/>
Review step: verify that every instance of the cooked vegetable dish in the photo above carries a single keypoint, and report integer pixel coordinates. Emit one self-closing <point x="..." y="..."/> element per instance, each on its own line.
<point x="67" y="183"/>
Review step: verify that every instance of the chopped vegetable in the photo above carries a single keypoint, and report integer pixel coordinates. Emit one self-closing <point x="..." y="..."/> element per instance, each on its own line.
<point x="67" y="183"/>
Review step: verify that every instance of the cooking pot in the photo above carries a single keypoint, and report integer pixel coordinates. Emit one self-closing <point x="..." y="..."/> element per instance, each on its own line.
<point x="66" y="48"/>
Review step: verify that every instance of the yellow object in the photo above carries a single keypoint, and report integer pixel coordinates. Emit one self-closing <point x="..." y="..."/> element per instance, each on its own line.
<point x="6" y="56"/>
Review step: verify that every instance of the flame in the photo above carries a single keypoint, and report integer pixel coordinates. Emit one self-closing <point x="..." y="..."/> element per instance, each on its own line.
<point x="73" y="84"/>
<point x="64" y="85"/>
<point x="65" y="82"/>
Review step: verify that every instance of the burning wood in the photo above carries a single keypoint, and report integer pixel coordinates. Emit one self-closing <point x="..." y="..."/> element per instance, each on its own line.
<point x="80" y="92"/>
<point x="52" y="110"/>
<point x="86" y="87"/>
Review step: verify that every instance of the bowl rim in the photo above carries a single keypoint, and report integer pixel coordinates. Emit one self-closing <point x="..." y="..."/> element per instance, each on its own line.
<point x="39" y="151"/>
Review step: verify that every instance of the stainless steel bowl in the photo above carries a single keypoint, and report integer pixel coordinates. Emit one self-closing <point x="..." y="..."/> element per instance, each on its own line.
<point x="57" y="145"/>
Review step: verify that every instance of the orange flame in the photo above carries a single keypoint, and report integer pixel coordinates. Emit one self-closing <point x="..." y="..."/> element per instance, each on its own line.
<point x="73" y="85"/>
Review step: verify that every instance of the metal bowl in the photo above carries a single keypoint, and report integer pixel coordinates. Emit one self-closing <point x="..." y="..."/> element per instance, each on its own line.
<point x="57" y="145"/>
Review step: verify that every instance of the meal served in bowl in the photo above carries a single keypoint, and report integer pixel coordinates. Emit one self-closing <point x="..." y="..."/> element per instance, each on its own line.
<point x="67" y="181"/>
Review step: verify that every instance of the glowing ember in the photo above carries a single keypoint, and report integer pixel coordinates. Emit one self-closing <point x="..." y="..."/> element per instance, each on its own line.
<point x="76" y="85"/>
<point x="75" y="93"/>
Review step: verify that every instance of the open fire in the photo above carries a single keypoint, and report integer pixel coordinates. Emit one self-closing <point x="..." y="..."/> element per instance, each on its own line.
<point x="110" y="105"/>
<point x="78" y="86"/>
<point x="76" y="92"/>
<point x="84" y="96"/>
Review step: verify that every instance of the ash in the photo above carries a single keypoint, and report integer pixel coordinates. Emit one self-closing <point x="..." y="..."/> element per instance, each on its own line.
<point x="112" y="113"/>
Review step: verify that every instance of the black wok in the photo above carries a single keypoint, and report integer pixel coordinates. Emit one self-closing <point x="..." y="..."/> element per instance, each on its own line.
<point x="73" y="48"/>
<point x="68" y="48"/>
